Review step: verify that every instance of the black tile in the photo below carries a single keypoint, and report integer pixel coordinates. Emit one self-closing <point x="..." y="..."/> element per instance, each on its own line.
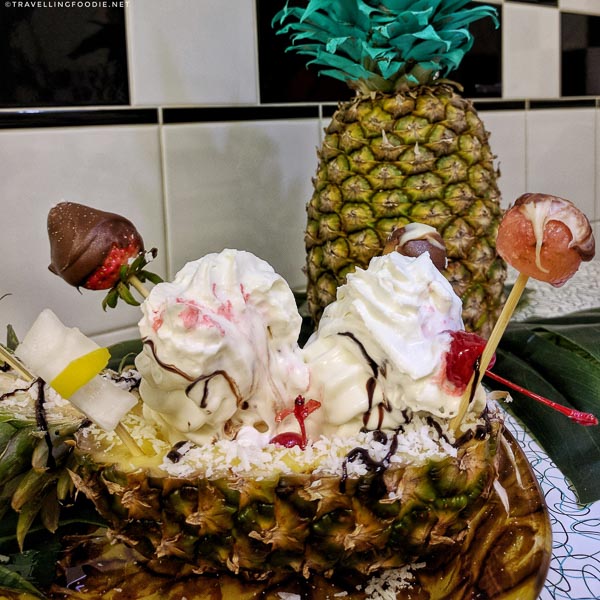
<point x="238" y="113"/>
<point x="21" y="119"/>
<point x="580" y="54"/>
<point x="563" y="103"/>
<point x="284" y="76"/>
<point x="62" y="56"/>
<point x="500" y="105"/>
<point x="480" y="72"/>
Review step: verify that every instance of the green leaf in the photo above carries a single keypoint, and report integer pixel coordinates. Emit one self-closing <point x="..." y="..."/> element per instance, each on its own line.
<point x="122" y="351"/>
<point x="125" y="293"/>
<point x="558" y="358"/>
<point x="111" y="299"/>
<point x="12" y="580"/>
<point x="149" y="276"/>
<point x="380" y="40"/>
<point x="574" y="449"/>
<point x="577" y="378"/>
<point x="17" y="454"/>
<point x="12" y="341"/>
<point x="586" y="339"/>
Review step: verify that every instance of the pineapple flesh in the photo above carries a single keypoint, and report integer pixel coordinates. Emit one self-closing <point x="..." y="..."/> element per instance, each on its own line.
<point x="408" y="148"/>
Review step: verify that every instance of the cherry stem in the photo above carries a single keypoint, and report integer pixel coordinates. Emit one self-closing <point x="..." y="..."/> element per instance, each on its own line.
<point x="582" y="418"/>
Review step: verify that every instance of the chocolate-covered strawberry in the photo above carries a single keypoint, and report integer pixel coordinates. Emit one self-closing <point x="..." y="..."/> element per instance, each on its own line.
<point x="97" y="250"/>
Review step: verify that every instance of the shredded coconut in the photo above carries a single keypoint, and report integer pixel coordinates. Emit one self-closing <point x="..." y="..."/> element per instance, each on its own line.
<point x="387" y="584"/>
<point x="418" y="443"/>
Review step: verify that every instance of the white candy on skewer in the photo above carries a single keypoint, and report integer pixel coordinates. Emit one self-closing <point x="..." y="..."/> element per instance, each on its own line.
<point x="70" y="363"/>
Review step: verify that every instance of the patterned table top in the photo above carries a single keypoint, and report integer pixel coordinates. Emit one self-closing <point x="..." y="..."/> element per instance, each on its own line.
<point x="574" y="572"/>
<point x="575" y="565"/>
<point x="581" y="292"/>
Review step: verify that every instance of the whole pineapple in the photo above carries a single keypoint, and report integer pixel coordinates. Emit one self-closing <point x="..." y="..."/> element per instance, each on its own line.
<point x="406" y="148"/>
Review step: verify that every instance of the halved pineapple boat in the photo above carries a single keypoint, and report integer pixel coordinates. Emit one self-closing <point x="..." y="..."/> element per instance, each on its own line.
<point x="365" y="504"/>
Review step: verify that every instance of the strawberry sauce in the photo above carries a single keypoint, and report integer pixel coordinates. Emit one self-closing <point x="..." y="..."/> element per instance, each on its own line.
<point x="301" y="411"/>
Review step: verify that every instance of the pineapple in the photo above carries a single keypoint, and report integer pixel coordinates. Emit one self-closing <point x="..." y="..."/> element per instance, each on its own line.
<point x="260" y="524"/>
<point x="406" y="148"/>
<point x="263" y="523"/>
<point x="35" y="450"/>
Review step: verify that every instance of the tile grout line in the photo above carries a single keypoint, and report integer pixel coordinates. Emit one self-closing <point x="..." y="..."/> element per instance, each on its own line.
<point x="526" y="143"/>
<point x="164" y="190"/>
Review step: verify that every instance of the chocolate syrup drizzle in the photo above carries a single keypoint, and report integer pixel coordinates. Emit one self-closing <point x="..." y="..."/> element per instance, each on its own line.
<point x="206" y="379"/>
<point x="7" y="395"/>
<point x="40" y="413"/>
<point x="195" y="380"/>
<point x="174" y="455"/>
<point x="481" y="430"/>
<point x="378" y="468"/>
<point x="371" y="384"/>
<point x="42" y="421"/>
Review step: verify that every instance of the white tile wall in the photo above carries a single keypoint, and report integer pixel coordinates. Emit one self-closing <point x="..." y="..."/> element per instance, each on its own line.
<point x="111" y="168"/>
<point x="507" y="140"/>
<point x="192" y="52"/>
<point x="561" y="155"/>
<point x="241" y="185"/>
<point x="531" y="59"/>
<point x="591" y="7"/>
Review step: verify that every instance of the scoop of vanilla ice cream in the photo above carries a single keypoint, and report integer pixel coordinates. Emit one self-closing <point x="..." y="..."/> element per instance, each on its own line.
<point x="220" y="349"/>
<point x="379" y="352"/>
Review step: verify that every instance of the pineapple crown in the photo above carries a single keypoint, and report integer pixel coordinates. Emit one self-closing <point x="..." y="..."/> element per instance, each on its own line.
<point x="383" y="45"/>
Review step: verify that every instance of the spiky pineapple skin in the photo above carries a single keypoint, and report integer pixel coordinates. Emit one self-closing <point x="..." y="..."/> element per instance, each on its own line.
<point x="388" y="160"/>
<point x="295" y="523"/>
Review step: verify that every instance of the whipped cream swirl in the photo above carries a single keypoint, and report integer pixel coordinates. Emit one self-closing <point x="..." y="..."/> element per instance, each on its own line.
<point x="379" y="352"/>
<point x="220" y="349"/>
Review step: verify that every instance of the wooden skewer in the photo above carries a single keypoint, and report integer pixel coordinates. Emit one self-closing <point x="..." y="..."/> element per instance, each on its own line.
<point x="15" y="364"/>
<point x="490" y="348"/>
<point x="139" y="286"/>
<point x="127" y="440"/>
<point x="24" y="373"/>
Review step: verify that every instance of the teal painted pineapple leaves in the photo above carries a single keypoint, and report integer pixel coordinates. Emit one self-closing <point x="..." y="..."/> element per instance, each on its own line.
<point x="383" y="45"/>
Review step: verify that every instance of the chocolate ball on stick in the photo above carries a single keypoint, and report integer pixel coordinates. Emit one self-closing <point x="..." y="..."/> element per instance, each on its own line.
<point x="416" y="238"/>
<point x="545" y="237"/>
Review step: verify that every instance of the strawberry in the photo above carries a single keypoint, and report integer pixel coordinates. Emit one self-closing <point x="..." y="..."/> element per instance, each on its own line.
<point x="108" y="274"/>
<point x="97" y="250"/>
